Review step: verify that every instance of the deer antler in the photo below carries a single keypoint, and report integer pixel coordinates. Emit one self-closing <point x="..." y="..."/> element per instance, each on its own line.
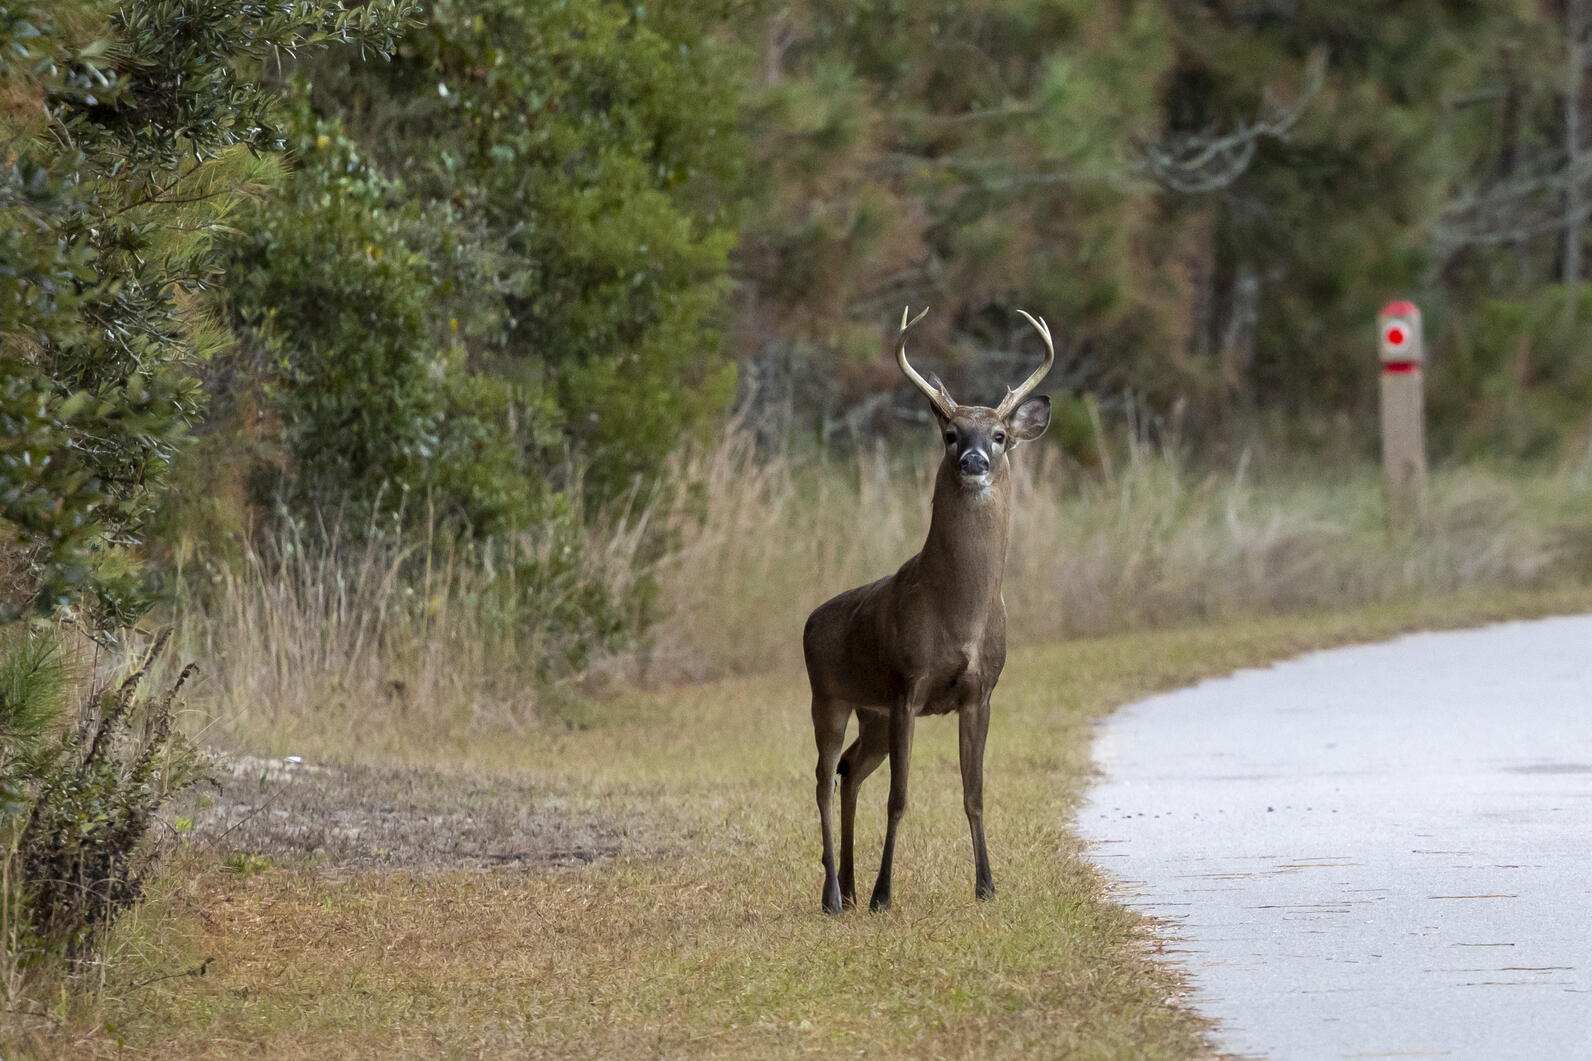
<point x="1014" y="398"/>
<point x="936" y="395"/>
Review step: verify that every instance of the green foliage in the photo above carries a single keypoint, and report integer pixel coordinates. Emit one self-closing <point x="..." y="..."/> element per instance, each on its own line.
<point x="50" y="500"/>
<point x="478" y="479"/>
<point x="340" y="302"/>
<point x="489" y="297"/>
<point x="546" y="587"/>
<point x="478" y="290"/>
<point x="84" y="850"/>
<point x="335" y="282"/>
<point x="130" y="137"/>
<point x="1512" y="377"/>
<point x="581" y="159"/>
<point x="1333" y="217"/>
<point x="33" y="683"/>
<point x="245" y="864"/>
<point x="985" y="156"/>
<point x="974" y="158"/>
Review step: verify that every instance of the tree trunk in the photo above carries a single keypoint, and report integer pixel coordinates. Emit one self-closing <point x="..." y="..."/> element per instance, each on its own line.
<point x="1575" y="67"/>
<point x="1238" y="333"/>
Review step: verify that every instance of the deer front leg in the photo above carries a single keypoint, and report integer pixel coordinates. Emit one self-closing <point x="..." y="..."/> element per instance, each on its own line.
<point x="861" y="759"/>
<point x="902" y="717"/>
<point x="973" y="726"/>
<point x="829" y="731"/>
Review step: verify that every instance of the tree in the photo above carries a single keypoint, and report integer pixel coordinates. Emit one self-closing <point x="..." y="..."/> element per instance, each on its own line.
<point x="577" y="164"/>
<point x="336" y="294"/>
<point x="971" y="157"/>
<point x="130" y="137"/>
<point x="1331" y="213"/>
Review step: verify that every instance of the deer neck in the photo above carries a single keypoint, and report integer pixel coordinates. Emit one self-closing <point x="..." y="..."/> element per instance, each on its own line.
<point x="965" y="554"/>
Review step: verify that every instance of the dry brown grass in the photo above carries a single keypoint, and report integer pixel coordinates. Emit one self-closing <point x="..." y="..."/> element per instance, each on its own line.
<point x="1152" y="544"/>
<point x="334" y="646"/>
<point x="714" y="947"/>
<point x="328" y="637"/>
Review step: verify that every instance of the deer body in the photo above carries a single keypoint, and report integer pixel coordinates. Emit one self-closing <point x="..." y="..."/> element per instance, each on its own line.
<point x="938" y="620"/>
<point x="928" y="640"/>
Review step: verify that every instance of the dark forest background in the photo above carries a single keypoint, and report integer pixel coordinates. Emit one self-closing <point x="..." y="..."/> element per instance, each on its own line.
<point x="506" y="257"/>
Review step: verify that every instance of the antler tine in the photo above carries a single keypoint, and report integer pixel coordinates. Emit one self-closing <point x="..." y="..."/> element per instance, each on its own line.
<point x="1014" y="398"/>
<point x="939" y="398"/>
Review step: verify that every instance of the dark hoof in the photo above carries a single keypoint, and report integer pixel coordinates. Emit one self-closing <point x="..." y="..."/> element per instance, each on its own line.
<point x="878" y="903"/>
<point x="985" y="892"/>
<point x="832" y="899"/>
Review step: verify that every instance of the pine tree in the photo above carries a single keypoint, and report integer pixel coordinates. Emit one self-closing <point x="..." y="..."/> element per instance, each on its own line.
<point x="130" y="138"/>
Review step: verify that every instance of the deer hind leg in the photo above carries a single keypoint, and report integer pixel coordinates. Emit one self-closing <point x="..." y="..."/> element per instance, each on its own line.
<point x="973" y="726"/>
<point x="902" y="717"/>
<point x="861" y="759"/>
<point x="829" y="731"/>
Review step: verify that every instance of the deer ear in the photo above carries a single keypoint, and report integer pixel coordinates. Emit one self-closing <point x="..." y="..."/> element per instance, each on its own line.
<point x="934" y="381"/>
<point x="1030" y="419"/>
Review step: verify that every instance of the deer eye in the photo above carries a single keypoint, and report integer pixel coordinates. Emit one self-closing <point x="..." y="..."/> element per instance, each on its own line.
<point x="950" y="438"/>
<point x="1000" y="438"/>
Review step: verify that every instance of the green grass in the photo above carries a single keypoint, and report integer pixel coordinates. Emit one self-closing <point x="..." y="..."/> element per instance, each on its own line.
<point x="707" y="940"/>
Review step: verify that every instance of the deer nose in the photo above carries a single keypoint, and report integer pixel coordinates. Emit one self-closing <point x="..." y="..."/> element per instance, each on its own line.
<point x="974" y="462"/>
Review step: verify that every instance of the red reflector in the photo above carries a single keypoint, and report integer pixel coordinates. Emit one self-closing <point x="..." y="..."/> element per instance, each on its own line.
<point x="1395" y="336"/>
<point x="1400" y="367"/>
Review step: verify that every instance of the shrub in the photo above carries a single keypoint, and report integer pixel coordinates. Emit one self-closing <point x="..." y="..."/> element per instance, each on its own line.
<point x="91" y="794"/>
<point x="576" y="165"/>
<point x="337" y="285"/>
<point x="326" y="285"/>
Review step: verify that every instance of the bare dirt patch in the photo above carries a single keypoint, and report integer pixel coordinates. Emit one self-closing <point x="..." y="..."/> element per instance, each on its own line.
<point x="400" y="817"/>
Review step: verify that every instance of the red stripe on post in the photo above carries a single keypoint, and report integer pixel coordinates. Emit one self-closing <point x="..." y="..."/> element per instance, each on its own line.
<point x="1398" y="309"/>
<point x="1400" y="367"/>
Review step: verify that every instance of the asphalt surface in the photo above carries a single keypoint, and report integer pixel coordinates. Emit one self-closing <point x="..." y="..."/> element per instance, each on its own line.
<point x="1377" y="851"/>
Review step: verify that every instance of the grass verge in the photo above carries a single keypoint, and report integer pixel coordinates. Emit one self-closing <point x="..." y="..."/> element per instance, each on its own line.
<point x="710" y="943"/>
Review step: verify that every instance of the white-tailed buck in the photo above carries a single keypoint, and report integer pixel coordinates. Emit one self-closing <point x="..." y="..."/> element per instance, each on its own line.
<point x="927" y="640"/>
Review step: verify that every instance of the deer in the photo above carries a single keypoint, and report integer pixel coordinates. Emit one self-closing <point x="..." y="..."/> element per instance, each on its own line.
<point x="927" y="640"/>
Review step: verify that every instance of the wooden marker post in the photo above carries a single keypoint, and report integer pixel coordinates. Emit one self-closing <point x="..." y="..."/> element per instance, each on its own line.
<point x="1403" y="352"/>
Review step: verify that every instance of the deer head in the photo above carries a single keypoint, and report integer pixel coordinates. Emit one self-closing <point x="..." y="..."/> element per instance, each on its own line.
<point x="978" y="438"/>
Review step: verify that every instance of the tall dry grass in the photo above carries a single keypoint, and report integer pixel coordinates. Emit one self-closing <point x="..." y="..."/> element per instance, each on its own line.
<point x="343" y="638"/>
<point x="1151" y="542"/>
<point x="350" y="642"/>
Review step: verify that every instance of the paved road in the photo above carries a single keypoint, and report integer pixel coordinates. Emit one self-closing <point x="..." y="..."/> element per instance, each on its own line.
<point x="1378" y="851"/>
